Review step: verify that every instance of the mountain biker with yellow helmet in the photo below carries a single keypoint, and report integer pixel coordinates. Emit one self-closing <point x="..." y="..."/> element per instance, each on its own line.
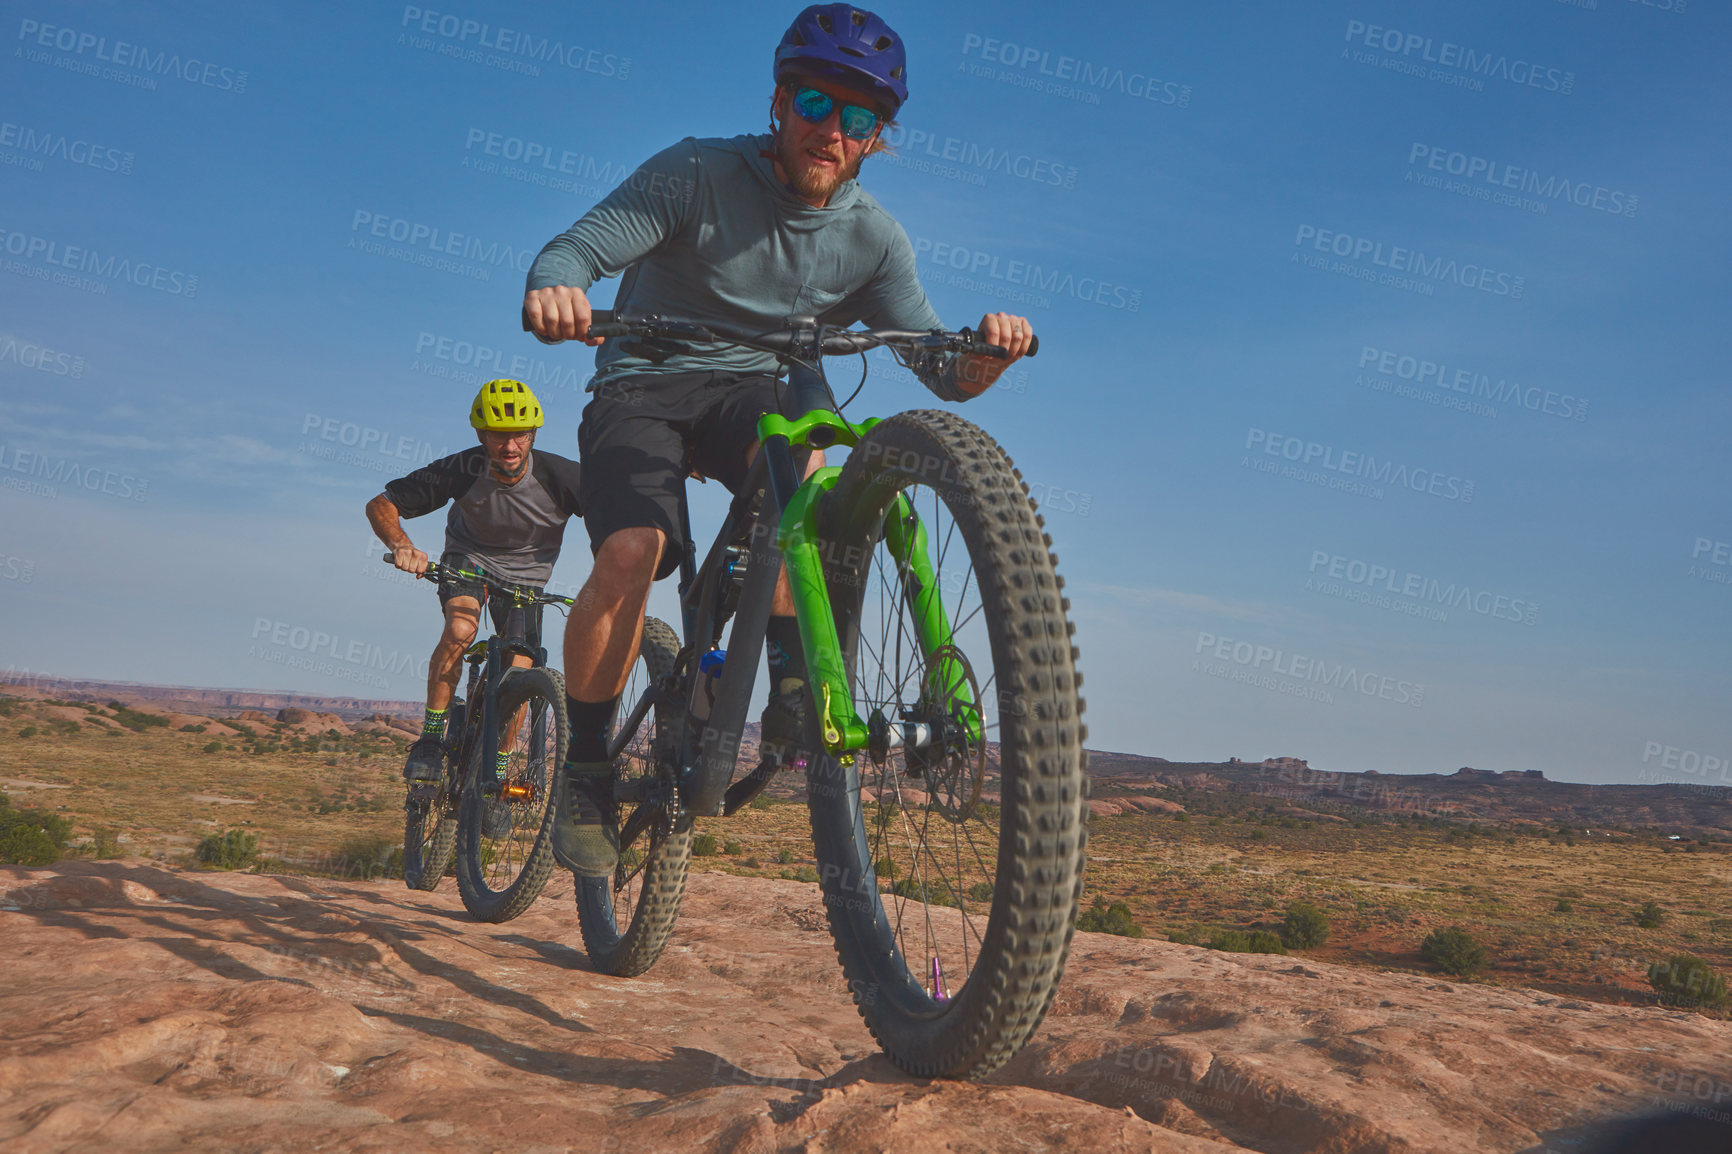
<point x="740" y="234"/>
<point x="509" y="505"/>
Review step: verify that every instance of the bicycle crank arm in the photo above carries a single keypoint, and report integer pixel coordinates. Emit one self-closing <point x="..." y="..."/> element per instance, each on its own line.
<point x="741" y="793"/>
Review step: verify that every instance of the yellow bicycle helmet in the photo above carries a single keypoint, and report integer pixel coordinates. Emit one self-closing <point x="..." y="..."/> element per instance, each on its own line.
<point x="506" y="406"/>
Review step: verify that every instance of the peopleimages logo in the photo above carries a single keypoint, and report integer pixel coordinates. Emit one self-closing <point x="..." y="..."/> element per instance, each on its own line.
<point x="1368" y="581"/>
<point x="518" y="51"/>
<point x="1462" y="62"/>
<point x="1406" y="262"/>
<point x="29" y="355"/>
<point x="1300" y="671"/>
<point x="1071" y="76"/>
<point x="1711" y="561"/>
<point x="122" y="54"/>
<point x="35" y="145"/>
<point x="46" y="254"/>
<point x="1322" y="464"/>
<point x="1470" y="384"/>
<point x="991" y="268"/>
<point x="428" y="245"/>
<point x="473" y="363"/>
<point x="973" y="155"/>
<point x="1501" y="182"/>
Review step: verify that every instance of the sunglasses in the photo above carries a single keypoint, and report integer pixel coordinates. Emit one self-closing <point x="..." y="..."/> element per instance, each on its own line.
<point x="814" y="106"/>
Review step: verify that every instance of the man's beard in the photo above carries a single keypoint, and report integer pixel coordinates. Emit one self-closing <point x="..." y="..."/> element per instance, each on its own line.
<point x="809" y="182"/>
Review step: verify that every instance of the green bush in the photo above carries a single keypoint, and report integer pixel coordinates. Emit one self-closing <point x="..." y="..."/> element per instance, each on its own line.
<point x="213" y="747"/>
<point x="704" y="845"/>
<point x="752" y="863"/>
<point x="105" y="843"/>
<point x="233" y="850"/>
<point x="28" y="731"/>
<point x="370" y="857"/>
<point x="1242" y="942"/>
<point x="1688" y="981"/>
<point x="1454" y="951"/>
<point x="1306" y="927"/>
<point x="31" y="837"/>
<point x="1101" y="918"/>
<point x="1650" y="916"/>
<point x="932" y="893"/>
<point x="980" y="892"/>
<point x="784" y="857"/>
<point x="806" y="874"/>
<point x="1564" y="906"/>
<point x="733" y="848"/>
<point x="760" y="802"/>
<point x="886" y="869"/>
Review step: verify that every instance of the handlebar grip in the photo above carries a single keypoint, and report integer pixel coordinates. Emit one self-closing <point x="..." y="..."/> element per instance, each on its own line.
<point x="597" y="317"/>
<point x="1033" y="346"/>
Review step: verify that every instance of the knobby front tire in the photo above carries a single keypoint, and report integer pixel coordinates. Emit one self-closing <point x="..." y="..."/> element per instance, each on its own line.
<point x="951" y="873"/>
<point x="628" y="917"/>
<point x="505" y="831"/>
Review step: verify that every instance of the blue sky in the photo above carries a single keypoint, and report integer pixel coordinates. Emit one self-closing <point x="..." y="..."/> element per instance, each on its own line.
<point x="1240" y="229"/>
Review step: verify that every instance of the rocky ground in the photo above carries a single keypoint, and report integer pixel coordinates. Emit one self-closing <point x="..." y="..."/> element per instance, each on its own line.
<point x="150" y="1009"/>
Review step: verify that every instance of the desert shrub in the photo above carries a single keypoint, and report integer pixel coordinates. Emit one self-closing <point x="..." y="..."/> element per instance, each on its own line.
<point x="933" y="893"/>
<point x="1259" y="835"/>
<point x="213" y="747"/>
<point x="198" y="727"/>
<point x="370" y="857"/>
<point x="733" y="848"/>
<point x="760" y="802"/>
<point x="1182" y="937"/>
<point x="1306" y="926"/>
<point x="784" y="857"/>
<point x="1454" y="951"/>
<point x="752" y="863"/>
<point x="1243" y="942"/>
<point x="1101" y="918"/>
<point x="704" y="845"/>
<point x="806" y="874"/>
<point x="233" y="850"/>
<point x="1650" y="916"/>
<point x="886" y="869"/>
<point x="105" y="843"/>
<point x="1564" y="906"/>
<point x="28" y="731"/>
<point x="134" y="720"/>
<point x="31" y="837"/>
<point x="1686" y="980"/>
<point x="980" y="892"/>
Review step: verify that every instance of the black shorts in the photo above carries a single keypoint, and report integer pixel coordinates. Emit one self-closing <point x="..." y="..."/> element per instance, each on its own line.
<point x="508" y="620"/>
<point x="642" y="436"/>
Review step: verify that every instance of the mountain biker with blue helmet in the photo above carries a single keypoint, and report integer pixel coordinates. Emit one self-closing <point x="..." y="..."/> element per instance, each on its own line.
<point x="738" y="233"/>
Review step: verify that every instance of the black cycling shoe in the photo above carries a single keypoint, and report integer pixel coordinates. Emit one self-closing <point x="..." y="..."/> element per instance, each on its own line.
<point x="585" y="823"/>
<point x="783" y="724"/>
<point x="495" y="818"/>
<point x="426" y="760"/>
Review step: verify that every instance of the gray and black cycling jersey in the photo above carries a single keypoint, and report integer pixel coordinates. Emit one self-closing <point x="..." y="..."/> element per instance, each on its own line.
<point x="515" y="531"/>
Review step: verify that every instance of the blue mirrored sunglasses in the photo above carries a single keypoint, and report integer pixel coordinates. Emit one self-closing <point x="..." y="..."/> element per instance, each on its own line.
<point x="814" y="106"/>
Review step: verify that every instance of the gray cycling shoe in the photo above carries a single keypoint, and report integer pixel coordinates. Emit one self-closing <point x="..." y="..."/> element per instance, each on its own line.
<point x="783" y="723"/>
<point x="585" y="823"/>
<point x="426" y="760"/>
<point x="495" y="818"/>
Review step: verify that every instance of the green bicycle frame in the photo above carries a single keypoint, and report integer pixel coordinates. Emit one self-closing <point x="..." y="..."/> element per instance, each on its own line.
<point x="842" y="728"/>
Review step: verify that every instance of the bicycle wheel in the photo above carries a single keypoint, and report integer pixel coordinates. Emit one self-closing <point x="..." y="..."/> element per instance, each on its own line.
<point x="627" y="918"/>
<point x="429" y="823"/>
<point x="951" y="870"/>
<point x="505" y="821"/>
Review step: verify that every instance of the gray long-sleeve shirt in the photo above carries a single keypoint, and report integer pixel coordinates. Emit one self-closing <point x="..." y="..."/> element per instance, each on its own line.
<point x="704" y="232"/>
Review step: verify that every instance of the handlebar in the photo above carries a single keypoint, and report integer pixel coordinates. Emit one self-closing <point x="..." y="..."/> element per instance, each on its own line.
<point x="435" y="572"/>
<point x="803" y="336"/>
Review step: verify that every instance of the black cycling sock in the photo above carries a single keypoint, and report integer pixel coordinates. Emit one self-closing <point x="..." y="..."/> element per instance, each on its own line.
<point x="783" y="654"/>
<point x="589" y="721"/>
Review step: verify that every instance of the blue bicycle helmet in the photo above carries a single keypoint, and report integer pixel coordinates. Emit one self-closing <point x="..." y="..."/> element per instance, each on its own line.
<point x="849" y="44"/>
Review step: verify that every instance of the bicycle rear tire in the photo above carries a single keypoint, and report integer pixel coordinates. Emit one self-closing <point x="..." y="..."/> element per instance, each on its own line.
<point x="627" y="918"/>
<point x="988" y="891"/>
<point x="502" y="868"/>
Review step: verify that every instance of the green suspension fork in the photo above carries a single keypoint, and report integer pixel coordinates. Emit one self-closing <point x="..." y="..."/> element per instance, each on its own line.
<point x="905" y="537"/>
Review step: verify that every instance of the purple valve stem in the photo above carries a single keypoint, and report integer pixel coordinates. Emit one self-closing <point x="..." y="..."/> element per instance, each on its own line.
<point x="938" y="992"/>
